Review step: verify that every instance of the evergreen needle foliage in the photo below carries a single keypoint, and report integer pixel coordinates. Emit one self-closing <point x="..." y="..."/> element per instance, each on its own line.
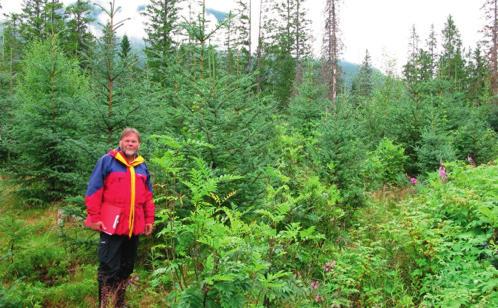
<point x="47" y="124"/>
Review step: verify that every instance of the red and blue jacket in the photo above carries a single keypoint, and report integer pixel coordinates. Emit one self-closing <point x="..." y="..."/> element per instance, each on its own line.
<point x="126" y="185"/>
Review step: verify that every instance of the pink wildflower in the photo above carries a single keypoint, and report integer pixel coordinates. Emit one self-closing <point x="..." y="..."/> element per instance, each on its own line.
<point x="315" y="284"/>
<point x="329" y="266"/>
<point x="318" y="298"/>
<point x="413" y="180"/>
<point x="442" y="173"/>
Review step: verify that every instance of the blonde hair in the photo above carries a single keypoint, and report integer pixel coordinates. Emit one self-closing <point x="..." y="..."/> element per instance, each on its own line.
<point x="130" y="130"/>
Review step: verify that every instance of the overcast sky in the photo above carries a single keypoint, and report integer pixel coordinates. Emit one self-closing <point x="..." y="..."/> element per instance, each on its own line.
<point x="381" y="26"/>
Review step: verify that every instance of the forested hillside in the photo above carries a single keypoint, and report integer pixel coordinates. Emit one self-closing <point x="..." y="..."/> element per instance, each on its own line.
<point x="279" y="179"/>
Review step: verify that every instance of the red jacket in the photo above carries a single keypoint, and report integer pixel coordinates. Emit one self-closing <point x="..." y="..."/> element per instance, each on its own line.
<point x="110" y="187"/>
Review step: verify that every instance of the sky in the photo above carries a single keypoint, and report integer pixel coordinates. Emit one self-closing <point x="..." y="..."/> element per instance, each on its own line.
<point x="381" y="26"/>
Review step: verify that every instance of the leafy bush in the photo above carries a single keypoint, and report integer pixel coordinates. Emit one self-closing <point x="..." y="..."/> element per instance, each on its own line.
<point x="385" y="165"/>
<point x="450" y="223"/>
<point x="214" y="257"/>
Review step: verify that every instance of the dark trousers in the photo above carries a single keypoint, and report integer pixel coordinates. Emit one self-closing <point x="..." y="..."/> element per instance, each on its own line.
<point x="117" y="254"/>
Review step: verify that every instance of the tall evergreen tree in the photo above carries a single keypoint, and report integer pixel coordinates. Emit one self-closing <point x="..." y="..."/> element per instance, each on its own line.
<point x="451" y="65"/>
<point x="308" y="106"/>
<point x="340" y="148"/>
<point x="331" y="49"/>
<point x="79" y="41"/>
<point x="162" y="27"/>
<point x="478" y="90"/>
<point x="125" y="48"/>
<point x="286" y="23"/>
<point x="239" y="37"/>
<point x="48" y="123"/>
<point x="285" y="43"/>
<point x="200" y="33"/>
<point x="33" y="18"/>
<point x="420" y="65"/>
<point x="41" y="18"/>
<point x="261" y="45"/>
<point x="55" y="19"/>
<point x="410" y="71"/>
<point x="115" y="106"/>
<point x="10" y="48"/>
<point x="432" y="50"/>
<point x="223" y="112"/>
<point x="413" y="45"/>
<point x="363" y="82"/>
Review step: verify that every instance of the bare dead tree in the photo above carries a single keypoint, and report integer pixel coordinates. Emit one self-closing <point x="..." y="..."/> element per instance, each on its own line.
<point x="331" y="49"/>
<point x="490" y="8"/>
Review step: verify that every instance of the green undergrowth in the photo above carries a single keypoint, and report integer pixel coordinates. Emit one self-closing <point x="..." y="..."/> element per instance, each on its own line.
<point x="454" y="226"/>
<point x="433" y="245"/>
<point x="429" y="245"/>
<point x="47" y="259"/>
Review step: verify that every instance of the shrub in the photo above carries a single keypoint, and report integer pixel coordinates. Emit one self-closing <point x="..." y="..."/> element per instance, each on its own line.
<point x="385" y="165"/>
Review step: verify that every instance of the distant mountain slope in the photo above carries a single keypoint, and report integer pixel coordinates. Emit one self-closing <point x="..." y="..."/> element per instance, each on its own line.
<point x="349" y="71"/>
<point x="220" y="16"/>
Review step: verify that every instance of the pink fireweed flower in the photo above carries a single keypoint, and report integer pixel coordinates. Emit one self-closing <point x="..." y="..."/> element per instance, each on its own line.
<point x="442" y="173"/>
<point x="315" y="284"/>
<point x="329" y="266"/>
<point x="413" y="180"/>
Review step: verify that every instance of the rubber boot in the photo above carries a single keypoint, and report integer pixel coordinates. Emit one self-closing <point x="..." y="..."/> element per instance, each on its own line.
<point x="120" y="294"/>
<point x="104" y="295"/>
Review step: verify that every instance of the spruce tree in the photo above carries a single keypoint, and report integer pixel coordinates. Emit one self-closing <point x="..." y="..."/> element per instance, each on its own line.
<point x="221" y="110"/>
<point x="33" y="17"/>
<point x="451" y="64"/>
<point x="55" y="19"/>
<point x="238" y="40"/>
<point x="200" y="34"/>
<point x="431" y="44"/>
<point x="48" y="124"/>
<point x="114" y="78"/>
<point x="362" y="86"/>
<point x="410" y="71"/>
<point x="10" y="49"/>
<point x="307" y="107"/>
<point x="479" y="88"/>
<point x="419" y="68"/>
<point x="340" y="153"/>
<point x="436" y="142"/>
<point x="162" y="26"/>
<point x="285" y="42"/>
<point x="41" y="19"/>
<point x="79" y="42"/>
<point x="125" y="48"/>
